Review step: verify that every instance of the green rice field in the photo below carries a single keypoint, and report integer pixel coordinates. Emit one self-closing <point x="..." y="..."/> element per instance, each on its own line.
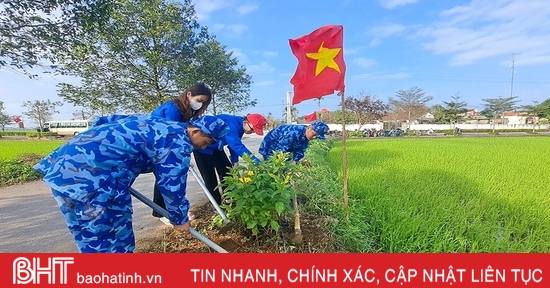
<point x="9" y="149"/>
<point x="486" y="194"/>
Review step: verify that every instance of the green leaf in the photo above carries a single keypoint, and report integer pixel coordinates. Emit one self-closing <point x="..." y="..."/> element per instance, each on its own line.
<point x="275" y="225"/>
<point x="279" y="207"/>
<point x="251" y="224"/>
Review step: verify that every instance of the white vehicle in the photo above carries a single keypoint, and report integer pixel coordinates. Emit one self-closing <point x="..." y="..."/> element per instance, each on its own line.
<point x="66" y="128"/>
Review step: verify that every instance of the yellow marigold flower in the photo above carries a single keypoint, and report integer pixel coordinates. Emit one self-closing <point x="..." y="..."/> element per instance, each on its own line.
<point x="247" y="179"/>
<point x="287" y="179"/>
<point x="250" y="173"/>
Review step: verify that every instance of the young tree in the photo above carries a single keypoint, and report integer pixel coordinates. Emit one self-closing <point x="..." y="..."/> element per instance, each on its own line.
<point x="33" y="33"/>
<point x="230" y="84"/>
<point x="143" y="57"/>
<point x="455" y="109"/>
<point x="487" y="113"/>
<point x="272" y="122"/>
<point x="5" y="119"/>
<point x="440" y="117"/>
<point x="543" y="109"/>
<point x="535" y="109"/>
<point x="499" y="106"/>
<point x="41" y="110"/>
<point x="411" y="103"/>
<point x="365" y="108"/>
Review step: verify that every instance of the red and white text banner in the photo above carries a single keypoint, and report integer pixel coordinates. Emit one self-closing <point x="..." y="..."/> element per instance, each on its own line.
<point x="275" y="270"/>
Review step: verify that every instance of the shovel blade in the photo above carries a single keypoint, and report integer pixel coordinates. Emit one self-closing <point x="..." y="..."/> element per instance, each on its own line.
<point x="226" y="228"/>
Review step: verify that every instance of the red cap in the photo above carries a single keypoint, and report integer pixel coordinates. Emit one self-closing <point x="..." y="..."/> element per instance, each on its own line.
<point x="258" y="122"/>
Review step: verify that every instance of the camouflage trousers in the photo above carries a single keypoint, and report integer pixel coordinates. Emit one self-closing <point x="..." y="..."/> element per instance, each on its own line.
<point x="97" y="227"/>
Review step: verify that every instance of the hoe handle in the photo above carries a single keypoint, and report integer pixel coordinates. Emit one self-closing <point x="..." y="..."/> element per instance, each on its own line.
<point x="164" y="213"/>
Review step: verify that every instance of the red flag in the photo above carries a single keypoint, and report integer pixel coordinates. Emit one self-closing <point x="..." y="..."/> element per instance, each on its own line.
<point x="311" y="117"/>
<point x="17" y="120"/>
<point x="321" y="68"/>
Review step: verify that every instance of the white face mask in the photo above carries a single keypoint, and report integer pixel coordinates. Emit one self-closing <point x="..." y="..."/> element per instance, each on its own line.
<point x="195" y="105"/>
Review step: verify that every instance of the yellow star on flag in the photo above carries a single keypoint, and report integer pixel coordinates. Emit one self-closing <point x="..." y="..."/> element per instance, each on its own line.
<point x="325" y="58"/>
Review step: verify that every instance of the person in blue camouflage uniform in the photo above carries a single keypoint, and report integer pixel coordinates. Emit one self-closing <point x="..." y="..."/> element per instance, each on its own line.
<point x="91" y="173"/>
<point x="213" y="162"/>
<point x="292" y="138"/>
<point x="191" y="104"/>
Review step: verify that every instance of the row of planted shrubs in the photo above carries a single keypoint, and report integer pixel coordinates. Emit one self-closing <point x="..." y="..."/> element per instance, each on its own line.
<point x="28" y="134"/>
<point x="19" y="170"/>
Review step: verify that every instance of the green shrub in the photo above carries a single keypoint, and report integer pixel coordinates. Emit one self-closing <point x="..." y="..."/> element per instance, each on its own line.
<point x="260" y="194"/>
<point x="13" y="172"/>
<point x="44" y="134"/>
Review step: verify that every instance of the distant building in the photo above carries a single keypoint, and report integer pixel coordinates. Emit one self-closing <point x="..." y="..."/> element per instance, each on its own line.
<point x="520" y="118"/>
<point x="425" y="119"/>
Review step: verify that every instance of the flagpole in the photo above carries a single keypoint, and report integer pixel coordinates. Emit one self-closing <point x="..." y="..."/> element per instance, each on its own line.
<point x="344" y="160"/>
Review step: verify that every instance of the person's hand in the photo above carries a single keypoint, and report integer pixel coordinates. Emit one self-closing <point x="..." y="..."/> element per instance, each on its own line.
<point x="293" y="162"/>
<point x="183" y="227"/>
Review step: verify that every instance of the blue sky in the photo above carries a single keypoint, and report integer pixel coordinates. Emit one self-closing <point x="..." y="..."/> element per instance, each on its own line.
<point x="444" y="47"/>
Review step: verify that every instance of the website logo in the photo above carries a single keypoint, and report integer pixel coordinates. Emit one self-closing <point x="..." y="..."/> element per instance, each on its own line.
<point x="27" y="271"/>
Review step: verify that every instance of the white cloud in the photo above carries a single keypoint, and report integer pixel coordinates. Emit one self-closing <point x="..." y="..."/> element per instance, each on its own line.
<point x="364" y="62"/>
<point x="375" y="42"/>
<point x="232" y="31"/>
<point x="237" y="53"/>
<point x="245" y="9"/>
<point x="264" y="83"/>
<point x="270" y="54"/>
<point x="499" y="28"/>
<point x="382" y="76"/>
<point x="236" y="30"/>
<point x="353" y="50"/>
<point x="384" y="31"/>
<point x="217" y="27"/>
<point x="387" y="30"/>
<point x="203" y="8"/>
<point x="390" y="4"/>
<point x="263" y="67"/>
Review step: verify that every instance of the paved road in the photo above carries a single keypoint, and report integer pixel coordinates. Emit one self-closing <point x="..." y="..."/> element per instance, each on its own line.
<point x="31" y="221"/>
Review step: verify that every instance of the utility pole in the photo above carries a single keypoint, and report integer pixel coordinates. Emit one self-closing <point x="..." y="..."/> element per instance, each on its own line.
<point x="283" y="109"/>
<point x="288" y="108"/>
<point x="512" y="77"/>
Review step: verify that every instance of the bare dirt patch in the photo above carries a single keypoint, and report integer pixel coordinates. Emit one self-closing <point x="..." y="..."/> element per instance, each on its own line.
<point x="316" y="237"/>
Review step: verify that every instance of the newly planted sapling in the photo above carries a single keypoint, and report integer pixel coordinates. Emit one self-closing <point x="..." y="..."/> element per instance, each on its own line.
<point x="259" y="194"/>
